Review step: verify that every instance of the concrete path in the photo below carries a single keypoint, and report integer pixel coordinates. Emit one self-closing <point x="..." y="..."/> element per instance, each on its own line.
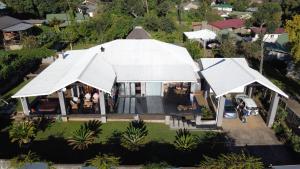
<point x="254" y="132"/>
<point x="257" y="139"/>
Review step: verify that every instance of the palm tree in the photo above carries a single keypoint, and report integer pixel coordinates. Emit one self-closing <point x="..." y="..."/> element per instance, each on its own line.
<point x="233" y="161"/>
<point x="134" y="136"/>
<point x="184" y="140"/>
<point x="103" y="161"/>
<point x="81" y="138"/>
<point x="22" y="132"/>
<point x="94" y="126"/>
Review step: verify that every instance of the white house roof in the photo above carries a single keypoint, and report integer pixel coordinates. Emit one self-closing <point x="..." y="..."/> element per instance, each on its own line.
<point x="127" y="60"/>
<point x="225" y="75"/>
<point x="203" y="34"/>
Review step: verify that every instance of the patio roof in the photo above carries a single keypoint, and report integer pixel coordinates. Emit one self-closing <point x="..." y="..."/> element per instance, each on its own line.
<point x="118" y="60"/>
<point x="226" y="75"/>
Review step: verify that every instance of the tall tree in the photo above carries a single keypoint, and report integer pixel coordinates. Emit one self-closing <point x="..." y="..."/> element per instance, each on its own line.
<point x="293" y="29"/>
<point x="290" y="8"/>
<point x="268" y="17"/>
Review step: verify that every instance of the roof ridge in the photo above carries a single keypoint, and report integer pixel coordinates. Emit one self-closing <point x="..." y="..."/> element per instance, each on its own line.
<point x="247" y="71"/>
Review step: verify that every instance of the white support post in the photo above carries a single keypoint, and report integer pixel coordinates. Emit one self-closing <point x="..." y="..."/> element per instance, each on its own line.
<point x="127" y="89"/>
<point x="25" y="105"/>
<point x="102" y="106"/>
<point x="273" y="109"/>
<point x="162" y="89"/>
<point x="220" y="109"/>
<point x="250" y="92"/>
<point x="62" y="103"/>
<point x="78" y="91"/>
<point x="72" y="91"/>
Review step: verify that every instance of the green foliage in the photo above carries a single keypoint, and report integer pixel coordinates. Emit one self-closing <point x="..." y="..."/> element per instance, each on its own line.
<point x="21" y="160"/>
<point x="81" y="138"/>
<point x="194" y="49"/>
<point x="134" y="135"/>
<point x="249" y="49"/>
<point x="103" y="161"/>
<point x="295" y="142"/>
<point x="167" y="24"/>
<point x="184" y="140"/>
<point x="228" y="48"/>
<point x="162" y="165"/>
<point x="269" y="16"/>
<point x="232" y="161"/>
<point x="94" y="126"/>
<point x="29" y="42"/>
<point x="22" y="132"/>
<point x="18" y="63"/>
<point x="163" y="8"/>
<point x="239" y="5"/>
<point x="206" y="113"/>
<point x="39" y="8"/>
<point x="151" y="22"/>
<point x="290" y="8"/>
<point x="293" y="29"/>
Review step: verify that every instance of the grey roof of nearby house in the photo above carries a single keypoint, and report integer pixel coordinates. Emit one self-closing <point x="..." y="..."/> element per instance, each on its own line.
<point x="10" y="24"/>
<point x="138" y="33"/>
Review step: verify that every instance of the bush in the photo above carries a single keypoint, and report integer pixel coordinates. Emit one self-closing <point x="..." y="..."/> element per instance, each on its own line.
<point x="194" y="49"/>
<point x="22" y="132"/>
<point x="134" y="135"/>
<point x="167" y="24"/>
<point x="21" y="160"/>
<point x="206" y="113"/>
<point x="162" y="165"/>
<point x="184" y="140"/>
<point x="103" y="161"/>
<point x="295" y="142"/>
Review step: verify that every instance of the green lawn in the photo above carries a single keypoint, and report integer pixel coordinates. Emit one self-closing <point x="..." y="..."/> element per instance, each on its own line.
<point x="157" y="132"/>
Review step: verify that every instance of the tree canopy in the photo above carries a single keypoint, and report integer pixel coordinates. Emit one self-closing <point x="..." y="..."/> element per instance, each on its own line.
<point x="293" y="29"/>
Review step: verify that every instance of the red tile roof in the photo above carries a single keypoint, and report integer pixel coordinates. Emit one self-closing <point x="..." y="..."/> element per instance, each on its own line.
<point x="230" y="23"/>
<point x="277" y="31"/>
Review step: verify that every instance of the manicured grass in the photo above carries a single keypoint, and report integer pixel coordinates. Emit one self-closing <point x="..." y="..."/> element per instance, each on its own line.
<point x="157" y="132"/>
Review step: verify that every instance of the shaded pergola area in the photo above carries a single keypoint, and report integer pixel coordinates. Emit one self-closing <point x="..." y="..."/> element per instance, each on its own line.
<point x="77" y="98"/>
<point x="225" y="77"/>
<point x="172" y="98"/>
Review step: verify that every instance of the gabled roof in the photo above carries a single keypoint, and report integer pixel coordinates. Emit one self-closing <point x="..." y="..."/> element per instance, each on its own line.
<point x="225" y="75"/>
<point x="229" y="23"/>
<point x="222" y="6"/>
<point x="138" y="33"/>
<point x="8" y="24"/>
<point x="124" y="60"/>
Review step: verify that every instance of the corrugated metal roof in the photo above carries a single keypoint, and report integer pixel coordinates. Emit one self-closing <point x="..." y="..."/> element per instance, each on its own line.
<point x="18" y="27"/>
<point x="229" y="23"/>
<point x="203" y="34"/>
<point x="225" y="75"/>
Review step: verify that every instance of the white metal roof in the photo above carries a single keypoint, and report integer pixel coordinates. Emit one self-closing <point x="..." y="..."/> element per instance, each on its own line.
<point x="226" y="75"/>
<point x="203" y="34"/>
<point x="127" y="60"/>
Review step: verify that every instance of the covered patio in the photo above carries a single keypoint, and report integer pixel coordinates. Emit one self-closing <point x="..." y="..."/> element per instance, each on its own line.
<point x="125" y="75"/>
<point x="223" y="77"/>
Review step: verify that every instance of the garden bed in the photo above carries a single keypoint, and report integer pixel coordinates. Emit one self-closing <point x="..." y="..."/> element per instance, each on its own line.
<point x="51" y="145"/>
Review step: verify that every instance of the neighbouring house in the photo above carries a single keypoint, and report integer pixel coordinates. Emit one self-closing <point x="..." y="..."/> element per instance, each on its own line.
<point x="120" y="78"/>
<point x="191" y="5"/>
<point x="12" y="30"/>
<point x="223" y="9"/>
<point x="223" y="78"/>
<point x="88" y="7"/>
<point x="252" y="9"/>
<point x="235" y="25"/>
<point x="138" y="33"/>
<point x="240" y="15"/>
<point x="275" y="43"/>
<point x="202" y="36"/>
<point x="65" y="19"/>
<point x="35" y="22"/>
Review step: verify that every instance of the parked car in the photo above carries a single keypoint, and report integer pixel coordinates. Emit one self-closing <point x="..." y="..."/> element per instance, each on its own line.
<point x="250" y="107"/>
<point x="229" y="110"/>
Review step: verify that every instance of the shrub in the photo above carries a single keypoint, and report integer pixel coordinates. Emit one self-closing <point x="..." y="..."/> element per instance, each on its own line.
<point x="22" y="132"/>
<point x="194" y="49"/>
<point x="295" y="141"/>
<point x="81" y="138"/>
<point x="206" y="113"/>
<point x="233" y="161"/>
<point x="21" y="160"/>
<point x="161" y="165"/>
<point x="184" y="140"/>
<point x="134" y="135"/>
<point x="94" y="126"/>
<point x="103" y="161"/>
